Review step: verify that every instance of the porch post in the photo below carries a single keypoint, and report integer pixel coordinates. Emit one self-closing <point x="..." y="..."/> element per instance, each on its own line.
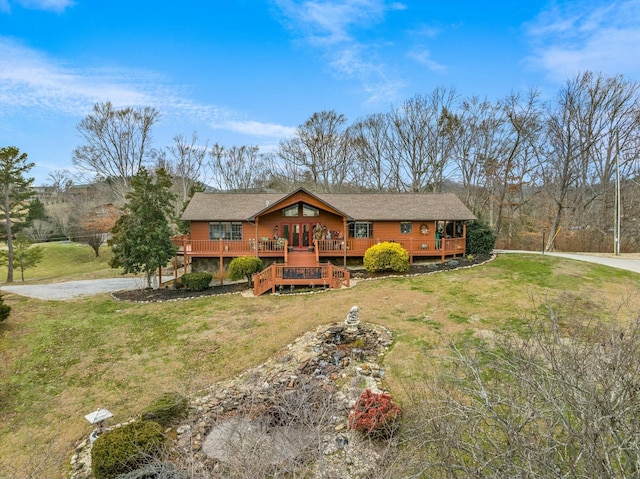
<point x="255" y="244"/>
<point x="344" y="241"/>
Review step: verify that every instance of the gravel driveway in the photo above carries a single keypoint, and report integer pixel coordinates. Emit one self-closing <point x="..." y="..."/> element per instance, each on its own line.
<point x="74" y="289"/>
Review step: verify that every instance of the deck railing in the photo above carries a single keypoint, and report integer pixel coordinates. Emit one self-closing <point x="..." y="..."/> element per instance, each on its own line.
<point x="275" y="275"/>
<point x="323" y="248"/>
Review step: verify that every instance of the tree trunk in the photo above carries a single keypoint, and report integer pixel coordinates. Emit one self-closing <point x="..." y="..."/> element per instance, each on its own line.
<point x="7" y="218"/>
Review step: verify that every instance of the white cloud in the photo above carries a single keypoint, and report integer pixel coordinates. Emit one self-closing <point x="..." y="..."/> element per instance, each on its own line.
<point x="256" y="128"/>
<point x="31" y="80"/>
<point x="423" y="56"/>
<point x="333" y="26"/>
<point x="46" y="5"/>
<point x="587" y="36"/>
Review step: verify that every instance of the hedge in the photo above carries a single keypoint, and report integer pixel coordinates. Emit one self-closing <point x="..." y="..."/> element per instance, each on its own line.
<point x="198" y="281"/>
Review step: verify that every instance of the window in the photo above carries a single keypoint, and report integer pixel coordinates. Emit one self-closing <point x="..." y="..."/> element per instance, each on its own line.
<point x="291" y="211"/>
<point x="361" y="230"/>
<point x="406" y="227"/>
<point x="225" y="230"/>
<point x="310" y="211"/>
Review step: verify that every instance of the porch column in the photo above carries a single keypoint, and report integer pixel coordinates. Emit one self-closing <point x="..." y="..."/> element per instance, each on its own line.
<point x="345" y="230"/>
<point x="255" y="240"/>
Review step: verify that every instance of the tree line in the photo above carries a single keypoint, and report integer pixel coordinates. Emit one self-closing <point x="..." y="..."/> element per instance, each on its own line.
<point x="523" y="164"/>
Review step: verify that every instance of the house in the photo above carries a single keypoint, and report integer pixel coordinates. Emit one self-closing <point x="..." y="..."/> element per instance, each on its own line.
<point x="312" y="230"/>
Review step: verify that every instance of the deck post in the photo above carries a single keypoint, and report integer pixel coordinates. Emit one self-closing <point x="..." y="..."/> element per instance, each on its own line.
<point x="411" y="251"/>
<point x="330" y="274"/>
<point x="273" y="277"/>
<point x="344" y="240"/>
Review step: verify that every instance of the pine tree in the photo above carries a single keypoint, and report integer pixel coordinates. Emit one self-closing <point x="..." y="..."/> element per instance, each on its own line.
<point x="141" y="238"/>
<point x="25" y="255"/>
<point x="16" y="191"/>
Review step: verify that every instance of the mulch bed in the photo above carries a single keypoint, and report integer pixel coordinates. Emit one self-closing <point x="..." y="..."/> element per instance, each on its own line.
<point x="173" y="294"/>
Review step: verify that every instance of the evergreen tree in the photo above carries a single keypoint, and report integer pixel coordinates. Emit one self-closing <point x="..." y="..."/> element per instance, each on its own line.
<point x="16" y="190"/>
<point x="141" y="238"/>
<point x="24" y="254"/>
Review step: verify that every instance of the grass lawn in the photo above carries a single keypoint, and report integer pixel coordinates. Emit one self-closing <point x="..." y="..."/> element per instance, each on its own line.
<point x="61" y="360"/>
<point x="64" y="262"/>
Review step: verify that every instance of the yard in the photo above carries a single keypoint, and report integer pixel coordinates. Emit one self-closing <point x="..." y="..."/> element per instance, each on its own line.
<point x="62" y="360"/>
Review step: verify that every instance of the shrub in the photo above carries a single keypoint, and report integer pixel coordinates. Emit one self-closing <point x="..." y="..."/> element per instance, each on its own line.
<point x="198" y="281"/>
<point x="245" y="267"/>
<point x="374" y="414"/>
<point x="385" y="256"/>
<point x="4" y="309"/>
<point x="126" y="448"/>
<point x="166" y="409"/>
<point x="480" y="238"/>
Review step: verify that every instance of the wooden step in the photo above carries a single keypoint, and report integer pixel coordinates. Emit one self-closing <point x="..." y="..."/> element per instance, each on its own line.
<point x="301" y="258"/>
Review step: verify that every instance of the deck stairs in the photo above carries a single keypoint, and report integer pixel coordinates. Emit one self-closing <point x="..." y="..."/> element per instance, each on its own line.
<point x="301" y="258"/>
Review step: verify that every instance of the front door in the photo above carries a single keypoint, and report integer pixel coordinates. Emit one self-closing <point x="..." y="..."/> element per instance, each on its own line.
<point x="298" y="234"/>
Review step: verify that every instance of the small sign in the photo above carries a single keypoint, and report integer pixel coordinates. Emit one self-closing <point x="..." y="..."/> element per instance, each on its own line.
<point x="98" y="416"/>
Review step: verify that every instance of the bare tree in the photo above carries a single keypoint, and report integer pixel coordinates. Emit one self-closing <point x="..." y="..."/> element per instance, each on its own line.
<point x="60" y="180"/>
<point x="237" y="168"/>
<point x="554" y="403"/>
<point x="423" y="137"/>
<point x="374" y="159"/>
<point x="579" y="130"/>
<point x="320" y="146"/>
<point x="186" y="164"/>
<point x="117" y="143"/>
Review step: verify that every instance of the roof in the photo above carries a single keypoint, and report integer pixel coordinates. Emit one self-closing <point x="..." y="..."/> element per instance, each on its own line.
<point x="357" y="206"/>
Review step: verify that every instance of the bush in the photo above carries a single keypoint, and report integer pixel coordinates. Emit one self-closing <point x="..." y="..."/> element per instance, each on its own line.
<point x="386" y="256"/>
<point x="480" y="238"/>
<point x="196" y="281"/>
<point x="126" y="448"/>
<point x="375" y="415"/>
<point x="166" y="409"/>
<point x="5" y="310"/>
<point x="245" y="267"/>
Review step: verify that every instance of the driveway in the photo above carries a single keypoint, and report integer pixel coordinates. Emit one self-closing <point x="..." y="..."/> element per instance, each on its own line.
<point x="74" y="289"/>
<point x="629" y="262"/>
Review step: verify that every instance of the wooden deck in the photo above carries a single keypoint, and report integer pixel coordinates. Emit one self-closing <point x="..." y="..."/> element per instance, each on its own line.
<point x="323" y="249"/>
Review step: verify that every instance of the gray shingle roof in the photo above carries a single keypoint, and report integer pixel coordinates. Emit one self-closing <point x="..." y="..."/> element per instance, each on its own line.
<point x="358" y="206"/>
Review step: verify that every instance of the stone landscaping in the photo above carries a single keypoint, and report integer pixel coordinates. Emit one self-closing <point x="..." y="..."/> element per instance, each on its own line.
<point x="291" y="411"/>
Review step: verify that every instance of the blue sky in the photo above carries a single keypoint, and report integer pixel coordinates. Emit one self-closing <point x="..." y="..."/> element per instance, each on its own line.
<point x="247" y="72"/>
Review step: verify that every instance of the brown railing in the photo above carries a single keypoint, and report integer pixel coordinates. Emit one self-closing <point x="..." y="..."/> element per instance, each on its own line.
<point x="275" y="275"/>
<point x="323" y="248"/>
<point x="229" y="247"/>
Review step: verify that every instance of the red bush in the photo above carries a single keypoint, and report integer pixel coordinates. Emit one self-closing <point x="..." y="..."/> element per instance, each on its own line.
<point x="374" y="414"/>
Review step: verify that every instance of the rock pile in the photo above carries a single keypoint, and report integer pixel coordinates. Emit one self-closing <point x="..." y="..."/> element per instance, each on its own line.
<point x="294" y="407"/>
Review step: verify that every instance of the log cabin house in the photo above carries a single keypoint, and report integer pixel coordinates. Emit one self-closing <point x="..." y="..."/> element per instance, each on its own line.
<point x="302" y="236"/>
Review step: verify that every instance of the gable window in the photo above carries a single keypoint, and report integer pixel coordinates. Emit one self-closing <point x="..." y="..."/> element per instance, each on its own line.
<point x="291" y="211"/>
<point x="310" y="211"/>
<point x="227" y="230"/>
<point x="406" y="227"/>
<point x="361" y="229"/>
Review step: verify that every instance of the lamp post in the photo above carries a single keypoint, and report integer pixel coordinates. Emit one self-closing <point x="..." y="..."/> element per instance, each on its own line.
<point x="544" y="233"/>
